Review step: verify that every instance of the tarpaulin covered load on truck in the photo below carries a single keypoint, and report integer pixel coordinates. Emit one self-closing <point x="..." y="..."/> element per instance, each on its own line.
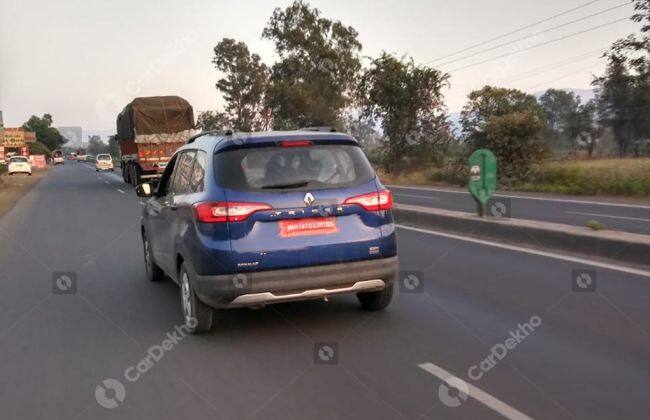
<point x="156" y="119"/>
<point x="149" y="130"/>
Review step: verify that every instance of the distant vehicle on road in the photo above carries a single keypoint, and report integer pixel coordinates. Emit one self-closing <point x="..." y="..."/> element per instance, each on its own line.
<point x="246" y="221"/>
<point x="81" y="155"/>
<point x="72" y="156"/>
<point x="104" y="162"/>
<point x="19" y="164"/>
<point x="57" y="157"/>
<point x="149" y="130"/>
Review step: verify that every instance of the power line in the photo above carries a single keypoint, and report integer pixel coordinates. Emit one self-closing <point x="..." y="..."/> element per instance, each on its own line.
<point x="515" y="31"/>
<point x="549" y="67"/>
<point x="538" y="33"/>
<point x="593" y="65"/>
<point x="593" y="28"/>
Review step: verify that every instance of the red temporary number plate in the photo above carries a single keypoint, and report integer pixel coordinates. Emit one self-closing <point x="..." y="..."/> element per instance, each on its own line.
<point x="306" y="227"/>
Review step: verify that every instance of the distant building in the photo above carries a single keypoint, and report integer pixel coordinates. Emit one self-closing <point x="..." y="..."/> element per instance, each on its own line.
<point x="73" y="136"/>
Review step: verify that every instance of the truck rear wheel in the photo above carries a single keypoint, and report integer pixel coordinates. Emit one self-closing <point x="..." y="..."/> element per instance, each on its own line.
<point x="125" y="173"/>
<point x="135" y="176"/>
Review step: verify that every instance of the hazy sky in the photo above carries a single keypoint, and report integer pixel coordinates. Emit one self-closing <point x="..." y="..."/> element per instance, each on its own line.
<point x="84" y="60"/>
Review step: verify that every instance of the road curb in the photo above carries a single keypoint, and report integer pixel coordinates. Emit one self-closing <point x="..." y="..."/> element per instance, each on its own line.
<point x="616" y="246"/>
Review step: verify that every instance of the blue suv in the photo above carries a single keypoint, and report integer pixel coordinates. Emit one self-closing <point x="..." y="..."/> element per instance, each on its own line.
<point x="246" y="220"/>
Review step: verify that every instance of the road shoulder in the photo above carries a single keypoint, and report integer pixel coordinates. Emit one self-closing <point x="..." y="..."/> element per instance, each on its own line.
<point x="12" y="188"/>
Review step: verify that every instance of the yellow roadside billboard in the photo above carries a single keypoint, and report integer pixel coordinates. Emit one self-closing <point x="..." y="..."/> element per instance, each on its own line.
<point x="13" y="137"/>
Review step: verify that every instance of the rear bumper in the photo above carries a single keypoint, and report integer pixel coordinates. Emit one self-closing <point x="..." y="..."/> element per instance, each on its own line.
<point x="267" y="287"/>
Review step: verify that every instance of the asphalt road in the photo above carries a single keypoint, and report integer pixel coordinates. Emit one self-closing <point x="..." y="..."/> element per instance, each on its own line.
<point x="584" y="355"/>
<point x="571" y="211"/>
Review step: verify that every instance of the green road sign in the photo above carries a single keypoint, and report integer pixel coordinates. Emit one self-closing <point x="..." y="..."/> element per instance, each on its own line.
<point x="482" y="177"/>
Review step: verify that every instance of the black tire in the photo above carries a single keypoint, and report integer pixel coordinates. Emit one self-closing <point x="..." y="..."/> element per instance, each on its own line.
<point x="153" y="272"/>
<point x="135" y="176"/>
<point x="197" y="316"/>
<point x="376" y="301"/>
<point x="125" y="173"/>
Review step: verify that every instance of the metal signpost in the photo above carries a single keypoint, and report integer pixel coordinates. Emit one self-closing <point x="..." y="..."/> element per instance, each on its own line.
<point x="482" y="178"/>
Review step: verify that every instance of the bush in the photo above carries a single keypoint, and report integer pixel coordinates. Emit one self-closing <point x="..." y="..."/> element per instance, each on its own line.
<point x="607" y="176"/>
<point x="37" y="148"/>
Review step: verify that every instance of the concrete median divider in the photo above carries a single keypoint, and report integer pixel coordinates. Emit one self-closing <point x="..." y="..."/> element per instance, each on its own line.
<point x="616" y="246"/>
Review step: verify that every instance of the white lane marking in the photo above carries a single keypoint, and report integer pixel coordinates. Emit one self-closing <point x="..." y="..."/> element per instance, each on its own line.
<point x="609" y="215"/>
<point x="585" y="261"/>
<point x="426" y="197"/>
<point x="119" y="190"/>
<point x="523" y="197"/>
<point x="106" y="182"/>
<point x="479" y="395"/>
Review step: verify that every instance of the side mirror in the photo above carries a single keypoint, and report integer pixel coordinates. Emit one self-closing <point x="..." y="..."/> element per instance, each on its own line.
<point x="144" y="190"/>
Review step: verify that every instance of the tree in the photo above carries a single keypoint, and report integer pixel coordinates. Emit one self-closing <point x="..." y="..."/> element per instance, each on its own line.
<point x="38" y="148"/>
<point x="508" y="122"/>
<point x="583" y="122"/>
<point x="568" y="121"/>
<point x="96" y="145"/>
<point x="408" y="101"/>
<point x="243" y="84"/>
<point x="624" y="90"/>
<point x="212" y="121"/>
<point x="624" y="102"/>
<point x="318" y="67"/>
<point x="45" y="133"/>
<point x="363" y="131"/>
<point x="559" y="108"/>
<point x="113" y="146"/>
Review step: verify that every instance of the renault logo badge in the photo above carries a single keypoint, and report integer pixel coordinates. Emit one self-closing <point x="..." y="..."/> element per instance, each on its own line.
<point x="309" y="199"/>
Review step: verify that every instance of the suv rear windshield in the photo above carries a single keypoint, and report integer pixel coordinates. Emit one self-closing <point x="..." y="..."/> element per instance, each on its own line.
<point x="283" y="168"/>
<point x="103" y="157"/>
<point x="19" y="159"/>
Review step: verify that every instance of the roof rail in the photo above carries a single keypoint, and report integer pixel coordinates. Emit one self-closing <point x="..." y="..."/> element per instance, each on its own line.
<point x="210" y="133"/>
<point x="324" y="129"/>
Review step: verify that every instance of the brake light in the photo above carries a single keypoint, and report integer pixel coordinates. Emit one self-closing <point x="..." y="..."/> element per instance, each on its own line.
<point x="226" y="212"/>
<point x="382" y="200"/>
<point x="295" y="143"/>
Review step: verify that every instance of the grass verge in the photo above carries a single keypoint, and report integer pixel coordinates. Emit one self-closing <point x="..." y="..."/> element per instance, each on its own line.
<point x="607" y="177"/>
<point x="629" y="177"/>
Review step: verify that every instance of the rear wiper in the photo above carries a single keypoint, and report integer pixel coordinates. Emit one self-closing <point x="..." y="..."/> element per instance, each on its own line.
<point x="292" y="185"/>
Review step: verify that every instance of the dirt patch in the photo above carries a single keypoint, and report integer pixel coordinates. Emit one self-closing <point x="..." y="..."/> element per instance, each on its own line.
<point x="15" y="186"/>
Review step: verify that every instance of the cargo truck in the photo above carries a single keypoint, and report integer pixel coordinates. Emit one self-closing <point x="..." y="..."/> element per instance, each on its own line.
<point x="149" y="130"/>
<point x="81" y="155"/>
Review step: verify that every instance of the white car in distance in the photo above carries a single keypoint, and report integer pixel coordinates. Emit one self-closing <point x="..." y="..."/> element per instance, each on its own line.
<point x="19" y="164"/>
<point x="104" y="162"/>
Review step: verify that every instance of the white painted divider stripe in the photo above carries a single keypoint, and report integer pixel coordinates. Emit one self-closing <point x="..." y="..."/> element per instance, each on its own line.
<point x="479" y="395"/>
<point x="640" y="219"/>
<point x="579" y="260"/>
<point x="524" y="197"/>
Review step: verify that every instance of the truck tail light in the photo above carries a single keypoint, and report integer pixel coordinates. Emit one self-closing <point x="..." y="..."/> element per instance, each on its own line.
<point x="221" y="212"/>
<point x="382" y="200"/>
